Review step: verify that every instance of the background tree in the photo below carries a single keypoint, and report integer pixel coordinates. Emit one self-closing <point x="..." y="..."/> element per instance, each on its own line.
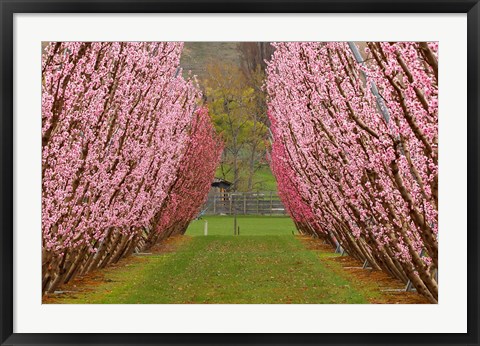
<point x="243" y="64"/>
<point x="253" y="62"/>
<point x="234" y="109"/>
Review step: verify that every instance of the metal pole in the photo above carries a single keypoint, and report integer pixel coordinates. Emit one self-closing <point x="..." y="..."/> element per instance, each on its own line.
<point x="205" y="228"/>
<point x="373" y="86"/>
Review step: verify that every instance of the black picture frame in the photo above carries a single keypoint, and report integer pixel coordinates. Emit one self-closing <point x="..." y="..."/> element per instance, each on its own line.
<point x="9" y="7"/>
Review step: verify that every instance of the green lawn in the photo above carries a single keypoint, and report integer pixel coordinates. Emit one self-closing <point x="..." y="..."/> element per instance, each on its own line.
<point x="265" y="264"/>
<point x="249" y="225"/>
<point x="219" y="269"/>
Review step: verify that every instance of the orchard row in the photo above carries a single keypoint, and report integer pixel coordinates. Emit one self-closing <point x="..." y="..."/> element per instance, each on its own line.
<point x="355" y="150"/>
<point x="128" y="153"/>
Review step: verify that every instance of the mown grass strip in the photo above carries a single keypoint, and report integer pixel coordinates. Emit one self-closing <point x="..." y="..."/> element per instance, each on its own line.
<point x="219" y="269"/>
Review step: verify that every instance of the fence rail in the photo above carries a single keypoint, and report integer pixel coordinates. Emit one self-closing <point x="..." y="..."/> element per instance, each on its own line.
<point x="244" y="203"/>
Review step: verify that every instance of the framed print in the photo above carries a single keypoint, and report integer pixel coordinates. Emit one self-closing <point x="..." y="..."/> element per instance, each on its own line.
<point x="250" y="172"/>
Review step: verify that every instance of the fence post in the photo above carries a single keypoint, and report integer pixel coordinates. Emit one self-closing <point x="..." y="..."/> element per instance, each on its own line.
<point x="271" y="203"/>
<point x="244" y="203"/>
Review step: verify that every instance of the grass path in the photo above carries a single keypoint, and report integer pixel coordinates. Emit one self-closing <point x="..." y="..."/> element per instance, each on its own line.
<point x="223" y="269"/>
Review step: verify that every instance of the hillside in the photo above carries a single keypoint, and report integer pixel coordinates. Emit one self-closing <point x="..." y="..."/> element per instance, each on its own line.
<point x="197" y="55"/>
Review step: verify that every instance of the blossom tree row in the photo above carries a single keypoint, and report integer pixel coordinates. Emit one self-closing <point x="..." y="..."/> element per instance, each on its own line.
<point x="192" y="184"/>
<point x="355" y="150"/>
<point x="119" y="126"/>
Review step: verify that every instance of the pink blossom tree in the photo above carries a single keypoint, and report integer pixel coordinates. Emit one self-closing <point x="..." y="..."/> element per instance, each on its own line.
<point x="193" y="180"/>
<point x="369" y="178"/>
<point x="117" y="120"/>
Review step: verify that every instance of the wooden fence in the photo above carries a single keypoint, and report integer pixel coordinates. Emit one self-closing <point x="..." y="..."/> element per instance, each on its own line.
<point x="244" y="203"/>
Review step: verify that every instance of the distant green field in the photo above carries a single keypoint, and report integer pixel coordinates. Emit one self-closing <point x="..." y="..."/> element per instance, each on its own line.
<point x="249" y="225"/>
<point x="263" y="179"/>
